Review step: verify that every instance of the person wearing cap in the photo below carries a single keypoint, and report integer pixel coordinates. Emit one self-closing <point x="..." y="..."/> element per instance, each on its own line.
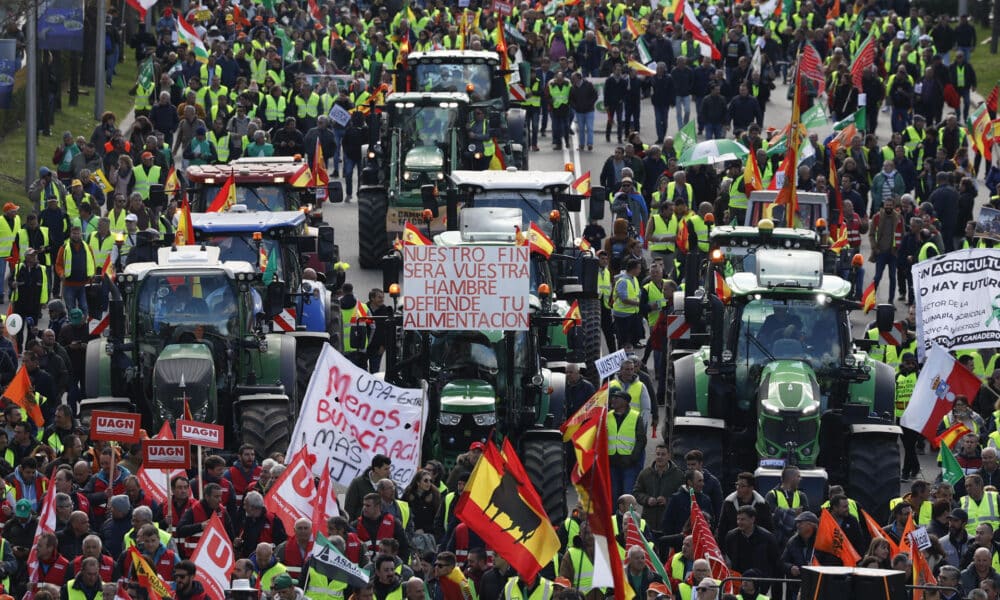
<point x="957" y="542"/>
<point x="799" y="550"/>
<point x="626" y="442"/>
<point x="45" y="187"/>
<point x="75" y="198"/>
<point x="146" y="175"/>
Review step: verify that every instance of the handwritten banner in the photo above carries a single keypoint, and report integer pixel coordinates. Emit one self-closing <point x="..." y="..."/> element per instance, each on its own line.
<point x="350" y="415"/>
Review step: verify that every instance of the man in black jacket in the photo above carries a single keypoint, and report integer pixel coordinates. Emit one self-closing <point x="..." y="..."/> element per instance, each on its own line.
<point x="614" y="102"/>
<point x="750" y="546"/>
<point x="663" y="99"/>
<point x="583" y="99"/>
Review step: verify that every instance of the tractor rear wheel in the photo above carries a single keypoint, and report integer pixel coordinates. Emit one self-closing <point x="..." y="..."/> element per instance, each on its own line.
<point x="266" y="426"/>
<point x="590" y="313"/>
<point x="709" y="441"/>
<point x="545" y="462"/>
<point x="873" y="472"/>
<point x="373" y="204"/>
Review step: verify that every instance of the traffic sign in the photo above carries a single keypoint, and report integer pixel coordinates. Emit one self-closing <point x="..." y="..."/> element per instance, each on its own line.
<point x="114" y="426"/>
<point x="201" y="434"/>
<point x="166" y="454"/>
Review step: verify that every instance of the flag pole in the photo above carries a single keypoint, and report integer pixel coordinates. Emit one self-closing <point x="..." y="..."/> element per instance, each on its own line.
<point x="201" y="478"/>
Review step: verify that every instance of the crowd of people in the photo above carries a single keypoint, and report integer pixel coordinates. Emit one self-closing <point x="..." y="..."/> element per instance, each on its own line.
<point x="275" y="78"/>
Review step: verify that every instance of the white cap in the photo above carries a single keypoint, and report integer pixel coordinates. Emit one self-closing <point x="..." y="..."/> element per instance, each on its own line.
<point x="132" y="217"/>
<point x="242" y="585"/>
<point x="925" y="38"/>
<point x="900" y="35"/>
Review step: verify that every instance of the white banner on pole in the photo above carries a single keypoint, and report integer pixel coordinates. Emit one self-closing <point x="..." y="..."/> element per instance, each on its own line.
<point x="609" y="364"/>
<point x="461" y="288"/>
<point x="958" y="300"/>
<point x="351" y="415"/>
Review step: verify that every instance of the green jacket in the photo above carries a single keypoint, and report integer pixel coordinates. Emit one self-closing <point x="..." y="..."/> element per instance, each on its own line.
<point x="879" y="181"/>
<point x="650" y="484"/>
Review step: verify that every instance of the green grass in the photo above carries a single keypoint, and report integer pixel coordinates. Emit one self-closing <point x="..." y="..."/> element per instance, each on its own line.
<point x="987" y="65"/>
<point x="77" y="119"/>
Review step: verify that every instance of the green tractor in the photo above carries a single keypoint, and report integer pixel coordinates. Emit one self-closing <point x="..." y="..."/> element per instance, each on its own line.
<point x="783" y="383"/>
<point x="478" y="74"/>
<point x="191" y="328"/>
<point x="417" y="140"/>
<point x="506" y="383"/>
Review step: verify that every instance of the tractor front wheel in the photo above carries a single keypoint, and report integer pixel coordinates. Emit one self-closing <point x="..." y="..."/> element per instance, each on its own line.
<point x="373" y="204"/>
<point x="544" y="460"/>
<point x="873" y="472"/>
<point x="266" y="425"/>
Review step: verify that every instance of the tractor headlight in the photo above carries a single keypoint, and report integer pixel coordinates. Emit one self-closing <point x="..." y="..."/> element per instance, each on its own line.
<point x="769" y="408"/>
<point x="262" y="345"/>
<point x="449" y="419"/>
<point x="472" y="147"/>
<point x="485" y="419"/>
<point x="809" y="410"/>
<point x="440" y="176"/>
<point x="409" y="175"/>
<point x="849" y="360"/>
<point x="371" y="155"/>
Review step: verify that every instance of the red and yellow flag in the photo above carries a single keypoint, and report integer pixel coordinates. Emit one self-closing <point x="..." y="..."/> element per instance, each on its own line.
<point x="722" y="290"/>
<point x="500" y="504"/>
<point x="413" y="237"/>
<point x="584" y="245"/>
<point x="788" y="194"/>
<point x="172" y="184"/>
<point x="538" y="241"/>
<point x="22" y="393"/>
<point x="454" y="586"/>
<point x="951" y="436"/>
<point x="752" y="181"/>
<point x="147" y="577"/>
<point x="922" y="574"/>
<point x="321" y="178"/>
<point x="830" y="538"/>
<point x="184" y="236"/>
<point x="868" y="298"/>
<point x="360" y="314"/>
<point x="226" y="197"/>
<point x="582" y="185"/>
<point x="573" y="317"/>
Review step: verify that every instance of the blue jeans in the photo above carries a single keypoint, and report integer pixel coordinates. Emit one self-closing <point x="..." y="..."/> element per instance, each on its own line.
<point x="75" y="296"/>
<point x="714" y="131"/>
<point x="349" y="166"/>
<point x="967" y="51"/>
<point x="883" y="260"/>
<point x="683" y="105"/>
<point x="622" y="480"/>
<point x="900" y="119"/>
<point x="560" y="130"/>
<point x="338" y="137"/>
<point x="966" y="100"/>
<point x="585" y="128"/>
<point x="660" y="116"/>
<point x="110" y="64"/>
<point x="531" y="121"/>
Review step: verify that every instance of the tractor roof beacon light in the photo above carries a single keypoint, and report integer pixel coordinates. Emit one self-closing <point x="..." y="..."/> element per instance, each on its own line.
<point x="717" y="257"/>
<point x="554" y="216"/>
<point x="858" y="261"/>
<point x="766" y="228"/>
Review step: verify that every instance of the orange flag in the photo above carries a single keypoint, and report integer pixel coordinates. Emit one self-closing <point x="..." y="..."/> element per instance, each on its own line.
<point x="922" y="574"/>
<point x="875" y="531"/>
<point x="830" y="538"/>
<point x="904" y="540"/>
<point x="22" y="393"/>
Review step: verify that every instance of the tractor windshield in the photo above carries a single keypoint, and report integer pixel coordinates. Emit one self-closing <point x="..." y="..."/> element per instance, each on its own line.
<point x="242" y="247"/>
<point x="175" y="307"/>
<point x="433" y="77"/>
<point x="535" y="207"/>
<point x="787" y="328"/>
<point x="425" y="125"/>
<point x="464" y="352"/>
<point x="256" y="197"/>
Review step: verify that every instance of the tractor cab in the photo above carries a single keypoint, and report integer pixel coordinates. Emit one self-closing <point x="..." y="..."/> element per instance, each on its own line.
<point x="262" y="185"/>
<point x="812" y="207"/>
<point x="429" y="131"/>
<point x="472" y="72"/>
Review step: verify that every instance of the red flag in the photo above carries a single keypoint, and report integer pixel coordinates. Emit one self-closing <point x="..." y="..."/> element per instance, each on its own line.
<point x="991" y="101"/>
<point x="215" y="559"/>
<point x="864" y="58"/>
<point x="830" y="538"/>
<point x="704" y="543"/>
<point x="314" y="12"/>
<point x="225" y="198"/>
<point x="904" y="539"/>
<point x="811" y="67"/>
<point x="46" y="524"/>
<point x="692" y="24"/>
<point x="582" y="185"/>
<point x="573" y="317"/>
<point x="835" y="186"/>
<point x="834" y="11"/>
<point x="502" y="48"/>
<point x="922" y="574"/>
<point x="325" y="504"/>
<point x="291" y="496"/>
<point x="868" y="298"/>
<point x="788" y="194"/>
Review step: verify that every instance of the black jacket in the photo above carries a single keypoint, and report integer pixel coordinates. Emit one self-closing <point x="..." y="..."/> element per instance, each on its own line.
<point x="583" y="97"/>
<point x="614" y="92"/>
<point x="759" y="551"/>
<point x="663" y="90"/>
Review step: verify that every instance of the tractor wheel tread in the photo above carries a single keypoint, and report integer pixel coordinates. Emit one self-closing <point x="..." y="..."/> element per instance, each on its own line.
<point x="873" y="473"/>
<point x="266" y="426"/>
<point x="544" y="461"/>
<point x="372" y="238"/>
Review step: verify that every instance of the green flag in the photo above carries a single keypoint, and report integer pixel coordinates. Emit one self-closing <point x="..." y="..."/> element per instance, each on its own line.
<point x="861" y="118"/>
<point x="951" y="471"/>
<point x="686" y="137"/>
<point x="843" y="123"/>
<point x="333" y="565"/>
<point x="146" y="74"/>
<point x="287" y="45"/>
<point x="815" y="116"/>
<point x="272" y="266"/>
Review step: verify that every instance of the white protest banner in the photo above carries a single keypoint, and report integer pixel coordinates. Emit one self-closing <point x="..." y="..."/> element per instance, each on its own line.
<point x="215" y="559"/>
<point x="609" y="364"/>
<point x="466" y="287"/>
<point x="351" y="415"/>
<point x="958" y="300"/>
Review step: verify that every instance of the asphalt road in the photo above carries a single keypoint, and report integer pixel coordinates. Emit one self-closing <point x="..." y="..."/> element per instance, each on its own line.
<point x="778" y="113"/>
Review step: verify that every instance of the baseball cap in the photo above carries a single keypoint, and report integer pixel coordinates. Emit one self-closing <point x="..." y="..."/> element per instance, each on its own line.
<point x="42" y="172"/>
<point x="282" y="582"/>
<point x="660" y="589"/>
<point x="132" y="217"/>
<point x="960" y="514"/>
<point x="619" y="393"/>
<point x="477" y="446"/>
<point x="22" y="509"/>
<point x="75" y="183"/>
<point x="562" y="582"/>
<point x="9" y="206"/>
<point x="807" y="517"/>
<point x="76" y="316"/>
<point x="147" y="154"/>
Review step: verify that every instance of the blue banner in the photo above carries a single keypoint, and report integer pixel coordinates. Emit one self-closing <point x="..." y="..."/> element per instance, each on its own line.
<point x="8" y="67"/>
<point x="60" y="25"/>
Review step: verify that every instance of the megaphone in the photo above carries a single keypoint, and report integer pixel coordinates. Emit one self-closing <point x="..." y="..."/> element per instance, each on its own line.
<point x="14" y="323"/>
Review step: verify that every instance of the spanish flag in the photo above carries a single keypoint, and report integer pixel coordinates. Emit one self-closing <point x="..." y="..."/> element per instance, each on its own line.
<point x="722" y="290"/>
<point x="320" y="177"/>
<point x="22" y="393"/>
<point x="454" y="586"/>
<point x="582" y="185"/>
<point x="226" y="197"/>
<point x="584" y="245"/>
<point x="632" y="27"/>
<point x="538" y="241"/>
<point x="172" y="184"/>
<point x="360" y="314"/>
<point x="752" y="181"/>
<point x="573" y="317"/>
<point x="413" y="237"/>
<point x="868" y="298"/>
<point x="951" y="436"/>
<point x="500" y="504"/>
<point x="185" y="231"/>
